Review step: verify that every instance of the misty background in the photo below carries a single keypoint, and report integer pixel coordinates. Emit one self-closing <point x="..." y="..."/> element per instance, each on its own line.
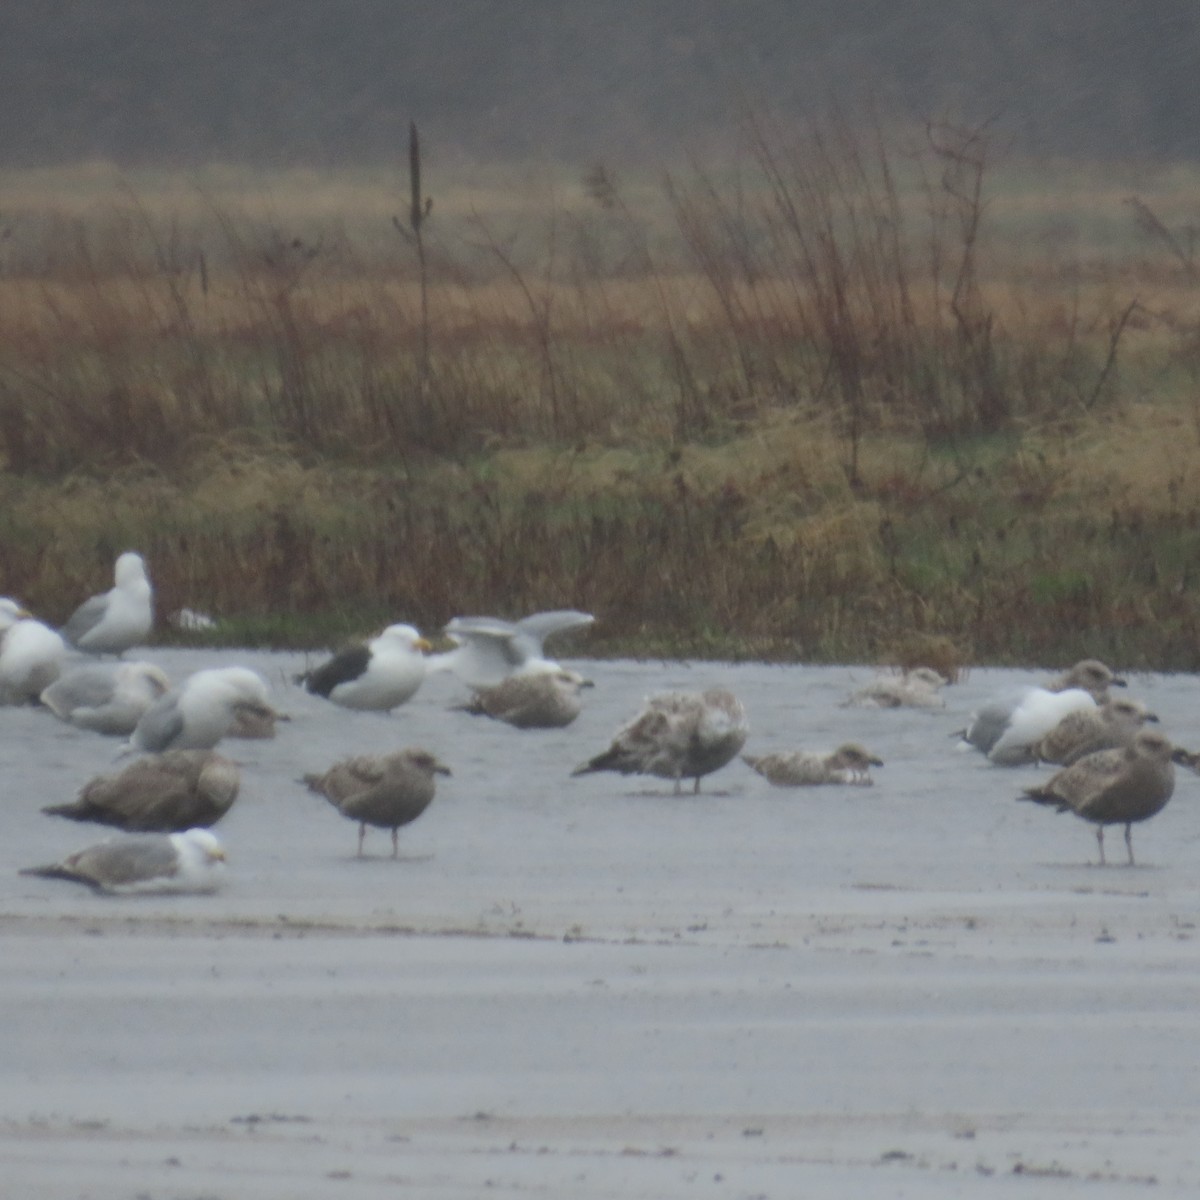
<point x="287" y="82"/>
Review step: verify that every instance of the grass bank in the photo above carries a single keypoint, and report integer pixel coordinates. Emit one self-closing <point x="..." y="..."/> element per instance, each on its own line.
<point x="836" y="404"/>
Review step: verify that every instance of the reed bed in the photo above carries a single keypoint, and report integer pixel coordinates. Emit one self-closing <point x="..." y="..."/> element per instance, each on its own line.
<point x="805" y="408"/>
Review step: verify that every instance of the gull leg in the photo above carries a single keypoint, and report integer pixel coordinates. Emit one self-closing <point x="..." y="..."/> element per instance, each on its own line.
<point x="395" y="843"/>
<point x="1129" y="841"/>
<point x="678" y="786"/>
<point x="362" y="833"/>
<point x="696" y="789"/>
<point x="1100" y="842"/>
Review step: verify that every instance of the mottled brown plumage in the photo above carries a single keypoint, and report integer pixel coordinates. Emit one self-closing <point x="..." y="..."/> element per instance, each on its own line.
<point x="677" y="735"/>
<point x="849" y="763"/>
<point x="386" y="790"/>
<point x="1114" y="787"/>
<point x="161" y="793"/>
<point x="544" y="700"/>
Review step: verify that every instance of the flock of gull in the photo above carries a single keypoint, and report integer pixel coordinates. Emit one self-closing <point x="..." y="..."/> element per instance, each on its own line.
<point x="1113" y="770"/>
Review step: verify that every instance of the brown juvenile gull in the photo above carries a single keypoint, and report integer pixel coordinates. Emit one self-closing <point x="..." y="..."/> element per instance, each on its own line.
<point x="386" y="790"/>
<point x="915" y="688"/>
<point x="107" y="698"/>
<point x="31" y="654"/>
<point x="377" y="675"/>
<point x="120" y="618"/>
<point x="192" y="861"/>
<point x="161" y="793"/>
<point x="1114" y="787"/>
<point x="1110" y="726"/>
<point x="677" y="735"/>
<point x="549" y="700"/>
<point x="849" y="763"/>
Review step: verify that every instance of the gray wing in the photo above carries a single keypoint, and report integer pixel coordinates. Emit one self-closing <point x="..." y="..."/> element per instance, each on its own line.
<point x="85" y="618"/>
<point x="85" y="687"/>
<point x="160" y="725"/>
<point x="135" y="859"/>
<point x="540" y="626"/>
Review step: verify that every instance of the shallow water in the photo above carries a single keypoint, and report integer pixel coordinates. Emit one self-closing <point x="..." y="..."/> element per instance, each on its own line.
<point x="591" y="986"/>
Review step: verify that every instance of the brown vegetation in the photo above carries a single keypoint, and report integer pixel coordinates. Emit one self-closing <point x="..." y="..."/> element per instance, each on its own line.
<point x="814" y="408"/>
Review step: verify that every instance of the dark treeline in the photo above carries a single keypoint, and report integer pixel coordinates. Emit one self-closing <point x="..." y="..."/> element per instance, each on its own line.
<point x="335" y="82"/>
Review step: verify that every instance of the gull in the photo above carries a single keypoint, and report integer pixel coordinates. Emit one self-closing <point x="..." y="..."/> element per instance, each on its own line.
<point x="193" y="861"/>
<point x="31" y="654"/>
<point x="1111" y="725"/>
<point x="915" y="688"/>
<point x="201" y="711"/>
<point x="677" y="735"/>
<point x="1114" y="787"/>
<point x="489" y="649"/>
<point x="849" y="763"/>
<point x="120" y="618"/>
<point x="161" y="793"/>
<point x="106" y="697"/>
<point x="387" y="790"/>
<point x="1006" y="730"/>
<point x="376" y="675"/>
<point x="547" y="700"/>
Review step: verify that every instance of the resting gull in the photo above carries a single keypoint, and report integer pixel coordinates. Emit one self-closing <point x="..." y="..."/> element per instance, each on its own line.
<point x="31" y="654"/>
<point x="547" y="700"/>
<point x="849" y="763"/>
<point x="915" y="688"/>
<point x="1114" y="787"/>
<point x="1109" y="726"/>
<point x="120" y="618"/>
<point x="489" y="649"/>
<point x="201" y="711"/>
<point x="193" y="861"/>
<point x="387" y="790"/>
<point x="1006" y="730"/>
<point x="677" y="735"/>
<point x="161" y="793"/>
<point x="376" y="675"/>
<point x="106" y="697"/>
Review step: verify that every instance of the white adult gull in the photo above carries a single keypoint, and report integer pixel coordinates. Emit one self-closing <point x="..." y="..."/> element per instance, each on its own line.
<point x="377" y="675"/>
<point x="120" y="618"/>
<point x="192" y="861"/>
<point x="677" y="735"/>
<point x="489" y="649"/>
<point x="31" y="654"/>
<point x="108" y="698"/>
<point x="1008" y="729"/>
<point x="201" y="711"/>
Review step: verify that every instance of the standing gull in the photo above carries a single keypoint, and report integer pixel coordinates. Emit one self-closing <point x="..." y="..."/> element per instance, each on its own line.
<point x="387" y="790"/>
<point x="489" y="650"/>
<point x="376" y="675"/>
<point x="1111" y="725"/>
<point x="677" y="735"/>
<point x="120" y="618"/>
<point x="1114" y="787"/>
<point x="849" y="763"/>
<point x="31" y="654"/>
<point x="193" y="861"/>
<point x="106" y="697"/>
<point x="161" y="793"/>
<point x="201" y="711"/>
<point x="548" y="700"/>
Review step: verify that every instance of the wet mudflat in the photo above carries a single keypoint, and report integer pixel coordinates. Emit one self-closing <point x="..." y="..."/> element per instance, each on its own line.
<point x="591" y="987"/>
